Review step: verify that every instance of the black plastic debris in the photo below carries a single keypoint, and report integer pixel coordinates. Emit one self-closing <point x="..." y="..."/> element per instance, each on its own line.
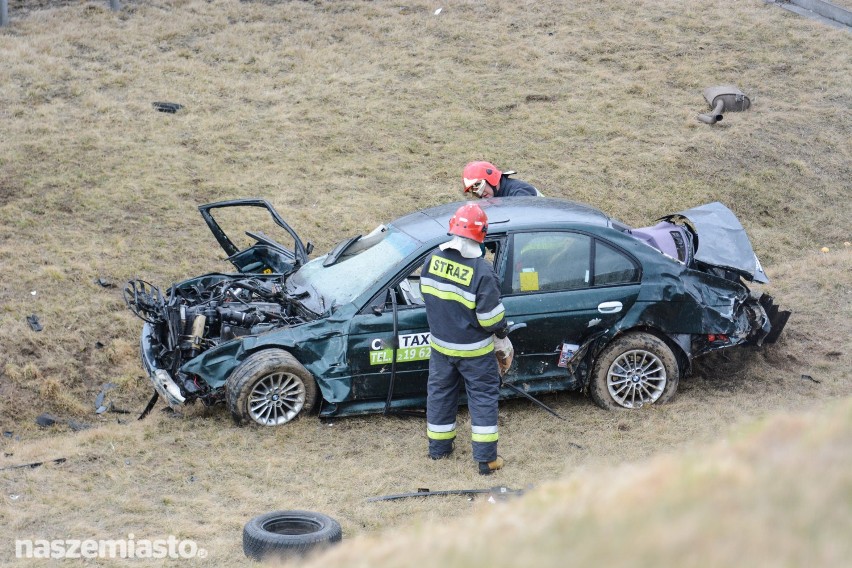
<point x="168" y="107"/>
<point x="34" y="322"/>
<point x="45" y="420"/>
<point x="150" y="406"/>
<point x="8" y="434"/>
<point x="34" y="465"/>
<point x="810" y="378"/>
<point x="99" y="345"/>
<point x="104" y="283"/>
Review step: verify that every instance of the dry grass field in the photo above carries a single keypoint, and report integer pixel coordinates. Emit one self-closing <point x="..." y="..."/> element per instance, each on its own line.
<point x="345" y="114"/>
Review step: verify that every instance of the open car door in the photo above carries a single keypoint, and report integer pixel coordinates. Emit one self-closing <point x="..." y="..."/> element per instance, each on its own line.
<point x="249" y="248"/>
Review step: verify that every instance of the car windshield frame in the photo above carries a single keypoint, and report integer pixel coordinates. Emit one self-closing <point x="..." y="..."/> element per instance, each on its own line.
<point x="321" y="288"/>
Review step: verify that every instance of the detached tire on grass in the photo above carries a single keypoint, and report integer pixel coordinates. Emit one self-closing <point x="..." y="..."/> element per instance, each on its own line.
<point x="270" y="388"/>
<point x="285" y="534"/>
<point x="634" y="370"/>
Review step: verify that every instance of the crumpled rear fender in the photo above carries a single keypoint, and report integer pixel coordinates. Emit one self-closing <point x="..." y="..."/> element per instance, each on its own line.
<point x="686" y="301"/>
<point x="694" y="305"/>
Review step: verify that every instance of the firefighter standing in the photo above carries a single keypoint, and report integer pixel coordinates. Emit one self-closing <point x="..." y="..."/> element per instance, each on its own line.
<point x="466" y="322"/>
<point x="484" y="180"/>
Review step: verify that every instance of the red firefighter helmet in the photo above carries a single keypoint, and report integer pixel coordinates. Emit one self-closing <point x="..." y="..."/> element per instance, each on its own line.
<point x="469" y="221"/>
<point x="475" y="172"/>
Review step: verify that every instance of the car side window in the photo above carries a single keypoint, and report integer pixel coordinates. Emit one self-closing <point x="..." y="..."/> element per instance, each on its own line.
<point x="550" y="261"/>
<point x="613" y="267"/>
<point x="408" y="290"/>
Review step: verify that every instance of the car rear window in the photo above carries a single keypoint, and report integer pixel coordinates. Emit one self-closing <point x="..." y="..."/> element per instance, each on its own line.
<point x="613" y="267"/>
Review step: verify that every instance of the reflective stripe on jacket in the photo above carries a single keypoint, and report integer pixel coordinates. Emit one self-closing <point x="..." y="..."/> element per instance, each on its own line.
<point x="463" y="305"/>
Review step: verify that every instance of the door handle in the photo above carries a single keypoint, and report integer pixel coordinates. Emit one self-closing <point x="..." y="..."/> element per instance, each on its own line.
<point x="609" y="307"/>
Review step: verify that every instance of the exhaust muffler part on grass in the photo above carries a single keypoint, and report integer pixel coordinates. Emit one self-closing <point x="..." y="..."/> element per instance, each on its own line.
<point x="722" y="99"/>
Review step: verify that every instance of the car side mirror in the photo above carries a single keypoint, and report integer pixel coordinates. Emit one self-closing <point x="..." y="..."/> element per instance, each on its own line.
<point x="309" y="248"/>
<point x="383" y="300"/>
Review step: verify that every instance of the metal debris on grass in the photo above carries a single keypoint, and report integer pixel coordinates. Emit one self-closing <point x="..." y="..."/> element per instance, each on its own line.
<point x="34" y="465"/>
<point x="167" y="107"/>
<point x="725" y="98"/>
<point x="494" y="492"/>
<point x="34" y="322"/>
<point x="100" y="408"/>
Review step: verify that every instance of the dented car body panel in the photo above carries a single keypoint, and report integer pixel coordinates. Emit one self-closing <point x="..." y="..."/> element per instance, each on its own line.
<point x="355" y="320"/>
<point x="723" y="241"/>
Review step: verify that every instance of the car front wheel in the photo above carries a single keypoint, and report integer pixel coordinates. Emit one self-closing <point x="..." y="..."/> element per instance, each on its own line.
<point x="270" y="388"/>
<point x="634" y="370"/>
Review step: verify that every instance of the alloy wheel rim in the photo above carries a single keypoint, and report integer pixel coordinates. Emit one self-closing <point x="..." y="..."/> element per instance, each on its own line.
<point x="276" y="399"/>
<point x="635" y="378"/>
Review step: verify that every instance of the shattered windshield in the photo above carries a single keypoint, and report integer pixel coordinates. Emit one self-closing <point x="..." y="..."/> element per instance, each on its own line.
<point x="352" y="274"/>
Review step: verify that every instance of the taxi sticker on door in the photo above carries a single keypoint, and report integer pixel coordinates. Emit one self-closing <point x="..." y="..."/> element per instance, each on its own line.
<point x="412" y="347"/>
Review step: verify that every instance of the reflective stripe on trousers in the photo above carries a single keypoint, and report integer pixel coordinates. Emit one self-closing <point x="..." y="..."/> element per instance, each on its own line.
<point x="481" y="381"/>
<point x="441" y="431"/>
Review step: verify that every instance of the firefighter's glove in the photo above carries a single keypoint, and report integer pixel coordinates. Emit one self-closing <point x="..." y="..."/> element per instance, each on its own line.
<point x="505" y="353"/>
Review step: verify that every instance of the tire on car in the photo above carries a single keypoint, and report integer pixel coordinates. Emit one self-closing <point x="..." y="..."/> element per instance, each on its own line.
<point x="286" y="534"/>
<point x="270" y="388"/>
<point x="633" y="370"/>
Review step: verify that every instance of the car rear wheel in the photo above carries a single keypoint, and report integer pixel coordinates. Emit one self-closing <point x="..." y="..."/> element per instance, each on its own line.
<point x="270" y="388"/>
<point x="634" y="370"/>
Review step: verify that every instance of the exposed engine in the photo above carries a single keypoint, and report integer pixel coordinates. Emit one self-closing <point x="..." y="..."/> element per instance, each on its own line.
<point x="203" y="312"/>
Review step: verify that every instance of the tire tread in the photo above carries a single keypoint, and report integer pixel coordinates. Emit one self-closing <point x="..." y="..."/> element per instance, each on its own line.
<point x="257" y="365"/>
<point x="597" y="388"/>
<point x="259" y="543"/>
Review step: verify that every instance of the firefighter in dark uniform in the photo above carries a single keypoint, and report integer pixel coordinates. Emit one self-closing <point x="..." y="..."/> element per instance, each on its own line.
<point x="484" y="180"/>
<point x="466" y="320"/>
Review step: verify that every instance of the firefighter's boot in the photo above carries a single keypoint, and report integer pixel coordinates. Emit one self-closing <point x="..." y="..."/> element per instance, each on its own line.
<point x="487" y="468"/>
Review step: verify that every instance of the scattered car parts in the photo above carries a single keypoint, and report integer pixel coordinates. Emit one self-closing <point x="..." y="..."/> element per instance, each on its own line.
<point x="498" y="492"/>
<point x="726" y="98"/>
<point x="167" y="107"/>
<point x="34" y="323"/>
<point x="34" y="465"/>
<point x="100" y="407"/>
<point x="286" y="534"/>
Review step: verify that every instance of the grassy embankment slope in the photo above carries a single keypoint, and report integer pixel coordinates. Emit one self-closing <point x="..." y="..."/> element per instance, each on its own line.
<point x="344" y="115"/>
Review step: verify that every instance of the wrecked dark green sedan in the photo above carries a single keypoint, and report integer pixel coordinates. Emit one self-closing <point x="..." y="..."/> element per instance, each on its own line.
<point x="615" y="311"/>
